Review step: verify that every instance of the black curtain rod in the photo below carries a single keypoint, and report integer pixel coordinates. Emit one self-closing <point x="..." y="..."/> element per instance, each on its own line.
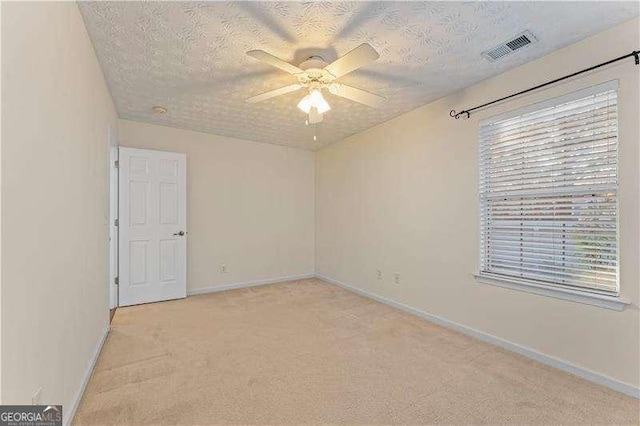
<point x="635" y="54"/>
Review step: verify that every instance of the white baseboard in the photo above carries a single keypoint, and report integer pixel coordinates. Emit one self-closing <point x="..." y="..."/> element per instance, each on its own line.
<point x="248" y="284"/>
<point x="68" y="418"/>
<point x="505" y="344"/>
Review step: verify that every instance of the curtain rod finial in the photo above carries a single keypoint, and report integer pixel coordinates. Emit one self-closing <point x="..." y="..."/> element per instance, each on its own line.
<point x="457" y="115"/>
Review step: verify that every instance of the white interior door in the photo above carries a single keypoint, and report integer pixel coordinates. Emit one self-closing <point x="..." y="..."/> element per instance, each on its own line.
<point x="152" y="225"/>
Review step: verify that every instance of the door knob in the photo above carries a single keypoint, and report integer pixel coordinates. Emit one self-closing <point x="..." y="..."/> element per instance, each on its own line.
<point x="181" y="233"/>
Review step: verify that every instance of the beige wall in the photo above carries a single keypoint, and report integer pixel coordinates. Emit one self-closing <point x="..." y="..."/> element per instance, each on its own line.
<point x="55" y="114"/>
<point x="403" y="197"/>
<point x="250" y="205"/>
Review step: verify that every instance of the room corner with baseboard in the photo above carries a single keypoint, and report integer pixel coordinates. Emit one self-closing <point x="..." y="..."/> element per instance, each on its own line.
<point x="343" y="212"/>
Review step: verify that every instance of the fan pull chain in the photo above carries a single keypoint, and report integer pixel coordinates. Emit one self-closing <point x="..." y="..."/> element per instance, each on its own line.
<point x="315" y="129"/>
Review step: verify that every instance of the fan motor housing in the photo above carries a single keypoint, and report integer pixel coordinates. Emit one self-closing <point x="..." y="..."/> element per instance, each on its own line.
<point x="313" y="62"/>
<point x="314" y="71"/>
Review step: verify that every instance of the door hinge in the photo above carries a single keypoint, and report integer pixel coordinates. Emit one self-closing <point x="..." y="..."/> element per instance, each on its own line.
<point x="117" y="163"/>
<point x="117" y="280"/>
<point x="116" y="222"/>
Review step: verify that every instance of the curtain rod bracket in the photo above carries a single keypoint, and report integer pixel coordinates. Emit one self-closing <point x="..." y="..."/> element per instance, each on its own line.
<point x="636" y="55"/>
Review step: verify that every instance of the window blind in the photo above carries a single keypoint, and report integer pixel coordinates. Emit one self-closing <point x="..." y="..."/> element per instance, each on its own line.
<point x="548" y="192"/>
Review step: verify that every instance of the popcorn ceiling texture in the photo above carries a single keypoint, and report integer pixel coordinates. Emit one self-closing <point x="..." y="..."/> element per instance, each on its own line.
<point x="190" y="56"/>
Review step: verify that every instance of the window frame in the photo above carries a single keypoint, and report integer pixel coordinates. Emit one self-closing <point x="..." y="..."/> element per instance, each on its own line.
<point x="555" y="290"/>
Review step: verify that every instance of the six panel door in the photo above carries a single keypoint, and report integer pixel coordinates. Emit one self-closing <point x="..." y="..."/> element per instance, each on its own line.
<point x="153" y="226"/>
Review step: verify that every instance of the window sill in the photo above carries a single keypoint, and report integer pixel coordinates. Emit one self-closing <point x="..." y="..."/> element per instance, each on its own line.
<point x="600" y="300"/>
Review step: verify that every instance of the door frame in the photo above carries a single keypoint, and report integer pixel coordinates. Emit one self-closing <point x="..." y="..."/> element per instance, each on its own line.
<point x="112" y="273"/>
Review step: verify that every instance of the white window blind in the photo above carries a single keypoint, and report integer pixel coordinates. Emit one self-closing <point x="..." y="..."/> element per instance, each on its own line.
<point x="548" y="192"/>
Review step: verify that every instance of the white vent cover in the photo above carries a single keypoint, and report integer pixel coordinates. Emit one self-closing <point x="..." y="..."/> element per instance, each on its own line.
<point x="518" y="42"/>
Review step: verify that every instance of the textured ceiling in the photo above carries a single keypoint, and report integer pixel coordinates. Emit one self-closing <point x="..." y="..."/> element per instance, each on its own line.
<point x="190" y="56"/>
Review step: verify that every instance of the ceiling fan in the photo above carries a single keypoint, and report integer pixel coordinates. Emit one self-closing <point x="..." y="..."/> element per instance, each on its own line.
<point x="314" y="74"/>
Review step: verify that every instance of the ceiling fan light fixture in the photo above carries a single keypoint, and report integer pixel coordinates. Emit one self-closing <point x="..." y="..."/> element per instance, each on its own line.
<point x="323" y="107"/>
<point x="314" y="100"/>
<point x="315" y="97"/>
<point x="317" y="101"/>
<point x="305" y="104"/>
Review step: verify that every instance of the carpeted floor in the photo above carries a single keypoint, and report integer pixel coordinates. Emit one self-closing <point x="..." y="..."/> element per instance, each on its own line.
<point x="309" y="352"/>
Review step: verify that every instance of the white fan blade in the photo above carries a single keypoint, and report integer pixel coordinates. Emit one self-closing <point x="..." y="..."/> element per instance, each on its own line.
<point x="358" y="57"/>
<point x="357" y="95"/>
<point x="268" y="58"/>
<point x="273" y="93"/>
<point x="314" y="116"/>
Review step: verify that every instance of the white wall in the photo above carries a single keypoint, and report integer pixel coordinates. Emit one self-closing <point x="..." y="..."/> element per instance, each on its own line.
<point x="55" y="114"/>
<point x="250" y="205"/>
<point x="403" y="197"/>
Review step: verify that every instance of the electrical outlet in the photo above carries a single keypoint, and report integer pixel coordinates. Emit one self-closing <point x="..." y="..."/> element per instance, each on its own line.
<point x="36" y="399"/>
<point x="379" y="274"/>
<point x="396" y="278"/>
<point x="223" y="268"/>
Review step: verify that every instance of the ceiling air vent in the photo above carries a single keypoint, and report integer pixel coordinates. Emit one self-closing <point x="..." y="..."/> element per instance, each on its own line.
<point x="518" y="42"/>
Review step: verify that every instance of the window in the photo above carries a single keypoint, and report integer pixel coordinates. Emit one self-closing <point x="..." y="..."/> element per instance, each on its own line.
<point x="549" y="193"/>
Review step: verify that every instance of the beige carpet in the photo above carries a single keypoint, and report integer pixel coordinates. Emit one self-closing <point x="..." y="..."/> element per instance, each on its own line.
<point x="309" y="352"/>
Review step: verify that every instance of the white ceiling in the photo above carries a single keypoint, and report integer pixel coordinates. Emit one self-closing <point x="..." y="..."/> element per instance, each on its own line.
<point x="190" y="56"/>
